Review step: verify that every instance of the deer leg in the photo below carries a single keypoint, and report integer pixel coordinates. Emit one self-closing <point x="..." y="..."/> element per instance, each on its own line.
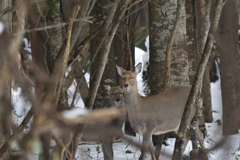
<point x="151" y="148"/>
<point x="145" y="144"/>
<point x="107" y="148"/>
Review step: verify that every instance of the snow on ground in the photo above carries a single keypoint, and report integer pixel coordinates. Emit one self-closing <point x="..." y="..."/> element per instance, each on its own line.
<point x="20" y="104"/>
<point x="230" y="147"/>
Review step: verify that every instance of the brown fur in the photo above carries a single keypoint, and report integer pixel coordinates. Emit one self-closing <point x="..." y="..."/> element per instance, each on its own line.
<point x="117" y="100"/>
<point x="156" y="114"/>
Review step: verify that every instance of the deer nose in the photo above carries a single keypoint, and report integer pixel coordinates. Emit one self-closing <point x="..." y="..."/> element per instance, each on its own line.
<point x="117" y="99"/>
<point x="125" y="85"/>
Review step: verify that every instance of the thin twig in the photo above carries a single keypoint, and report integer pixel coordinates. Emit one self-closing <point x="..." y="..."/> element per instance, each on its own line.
<point x="20" y="127"/>
<point x="27" y="78"/>
<point x="64" y="148"/>
<point x="84" y="43"/>
<point x="136" y="10"/>
<point x="134" y="4"/>
<point x="8" y="9"/>
<point x="57" y="25"/>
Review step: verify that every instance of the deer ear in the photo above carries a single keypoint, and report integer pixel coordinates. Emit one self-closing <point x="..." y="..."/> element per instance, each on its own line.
<point x="107" y="87"/>
<point x="119" y="70"/>
<point x="138" y="68"/>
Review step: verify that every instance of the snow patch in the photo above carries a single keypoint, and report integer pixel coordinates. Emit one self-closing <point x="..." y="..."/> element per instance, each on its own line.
<point x="139" y="58"/>
<point x="27" y="45"/>
<point x="1" y="27"/>
<point x="75" y="112"/>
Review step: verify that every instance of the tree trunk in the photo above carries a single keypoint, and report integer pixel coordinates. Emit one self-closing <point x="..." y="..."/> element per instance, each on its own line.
<point x="159" y="32"/>
<point x="191" y="43"/>
<point x="178" y="149"/>
<point x="202" y="27"/>
<point x="227" y="47"/>
<point x="160" y="24"/>
<point x="102" y="17"/>
<point x="179" y="56"/>
<point x="193" y="65"/>
<point x="192" y="59"/>
<point x="206" y="95"/>
<point x="54" y="38"/>
<point x="4" y="124"/>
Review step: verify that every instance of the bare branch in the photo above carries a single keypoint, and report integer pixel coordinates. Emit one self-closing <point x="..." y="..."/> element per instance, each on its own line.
<point x="58" y="25"/>
<point x="66" y="54"/>
<point x="64" y="148"/>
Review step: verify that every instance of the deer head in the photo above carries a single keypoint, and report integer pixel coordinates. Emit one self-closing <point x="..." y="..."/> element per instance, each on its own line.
<point x="129" y="80"/>
<point x="116" y="95"/>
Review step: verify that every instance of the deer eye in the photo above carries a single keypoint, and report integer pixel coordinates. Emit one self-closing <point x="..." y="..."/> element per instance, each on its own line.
<point x="112" y="94"/>
<point x="120" y="92"/>
<point x="132" y="77"/>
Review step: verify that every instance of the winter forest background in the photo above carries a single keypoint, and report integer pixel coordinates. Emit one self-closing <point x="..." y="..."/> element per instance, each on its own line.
<point x="57" y="55"/>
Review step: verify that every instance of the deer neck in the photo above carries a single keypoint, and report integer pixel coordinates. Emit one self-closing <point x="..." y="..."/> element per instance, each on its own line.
<point x="132" y="97"/>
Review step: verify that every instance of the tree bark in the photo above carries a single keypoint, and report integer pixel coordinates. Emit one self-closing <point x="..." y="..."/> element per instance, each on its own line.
<point x="160" y="24"/>
<point x="191" y="43"/>
<point x="198" y="119"/>
<point x="197" y="82"/>
<point x="54" y="37"/>
<point x="102" y="17"/>
<point x="179" y="57"/>
<point x="206" y="95"/>
<point x="202" y="27"/>
<point x="227" y="47"/>
<point x="4" y="123"/>
<point x="159" y="32"/>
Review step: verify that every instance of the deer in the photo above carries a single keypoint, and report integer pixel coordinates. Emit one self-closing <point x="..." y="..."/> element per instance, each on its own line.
<point x="116" y="99"/>
<point x="156" y="114"/>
